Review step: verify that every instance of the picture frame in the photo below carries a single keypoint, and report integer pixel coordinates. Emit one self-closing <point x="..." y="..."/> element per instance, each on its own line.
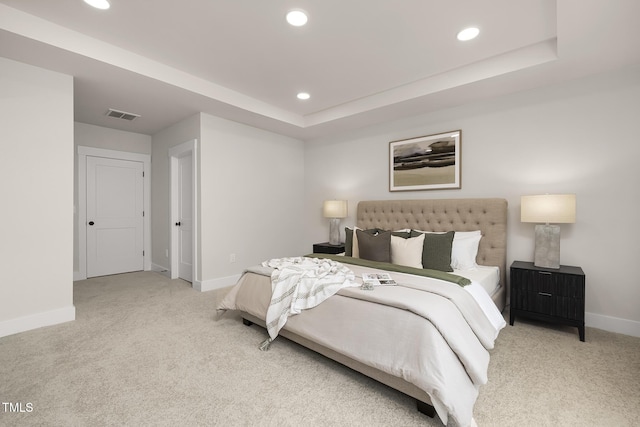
<point x="430" y="162"/>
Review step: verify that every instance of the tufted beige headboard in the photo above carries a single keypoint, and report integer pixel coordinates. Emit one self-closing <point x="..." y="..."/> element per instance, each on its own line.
<point x="487" y="215"/>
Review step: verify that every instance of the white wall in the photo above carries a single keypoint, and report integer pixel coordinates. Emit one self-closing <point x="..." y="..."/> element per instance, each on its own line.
<point x="36" y="188"/>
<point x="110" y="139"/>
<point x="579" y="137"/>
<point x="252" y="182"/>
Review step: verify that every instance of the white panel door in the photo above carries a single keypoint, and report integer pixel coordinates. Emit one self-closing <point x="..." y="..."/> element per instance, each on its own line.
<point x="185" y="218"/>
<point x="115" y="236"/>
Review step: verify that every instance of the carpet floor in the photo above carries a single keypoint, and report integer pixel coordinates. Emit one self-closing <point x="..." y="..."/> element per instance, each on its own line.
<point x="146" y="350"/>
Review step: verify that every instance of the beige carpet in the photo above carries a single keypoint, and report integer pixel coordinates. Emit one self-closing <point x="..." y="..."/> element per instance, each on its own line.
<point x="145" y="350"/>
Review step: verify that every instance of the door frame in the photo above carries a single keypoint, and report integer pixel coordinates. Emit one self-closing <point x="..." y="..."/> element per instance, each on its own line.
<point x="175" y="153"/>
<point x="145" y="159"/>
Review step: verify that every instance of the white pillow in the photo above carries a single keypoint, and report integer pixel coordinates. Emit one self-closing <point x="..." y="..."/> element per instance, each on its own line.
<point x="465" y="234"/>
<point x="464" y="250"/>
<point x="407" y="251"/>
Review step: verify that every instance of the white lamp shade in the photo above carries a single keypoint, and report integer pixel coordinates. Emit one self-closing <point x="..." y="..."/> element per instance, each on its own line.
<point x="548" y="208"/>
<point x="334" y="209"/>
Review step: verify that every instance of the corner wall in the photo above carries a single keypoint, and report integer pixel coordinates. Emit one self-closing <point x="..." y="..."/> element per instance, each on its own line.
<point x="250" y="197"/>
<point x="177" y="134"/>
<point x="36" y="184"/>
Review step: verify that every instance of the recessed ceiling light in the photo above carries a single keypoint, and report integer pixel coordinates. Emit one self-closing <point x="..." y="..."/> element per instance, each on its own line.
<point x="303" y="95"/>
<point x="98" y="4"/>
<point x="297" y="18"/>
<point x="468" y="34"/>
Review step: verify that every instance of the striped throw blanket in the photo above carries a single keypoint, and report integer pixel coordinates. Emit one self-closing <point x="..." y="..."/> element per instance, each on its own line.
<point x="300" y="283"/>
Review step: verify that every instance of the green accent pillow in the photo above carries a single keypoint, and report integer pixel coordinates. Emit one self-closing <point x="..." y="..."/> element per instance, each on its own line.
<point x="436" y="254"/>
<point x="348" y="241"/>
<point x="375" y="248"/>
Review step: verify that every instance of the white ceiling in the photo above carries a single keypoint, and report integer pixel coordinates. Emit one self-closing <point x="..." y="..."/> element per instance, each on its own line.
<point x="362" y="61"/>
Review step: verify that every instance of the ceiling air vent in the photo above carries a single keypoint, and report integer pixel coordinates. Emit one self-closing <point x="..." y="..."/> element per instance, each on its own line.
<point x="122" y="114"/>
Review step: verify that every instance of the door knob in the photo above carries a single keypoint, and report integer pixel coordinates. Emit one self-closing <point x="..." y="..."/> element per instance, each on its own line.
<point x="178" y="223"/>
<point x="91" y="222"/>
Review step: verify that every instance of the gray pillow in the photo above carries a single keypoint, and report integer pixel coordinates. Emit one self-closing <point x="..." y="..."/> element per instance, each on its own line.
<point x="348" y="239"/>
<point x="375" y="248"/>
<point x="436" y="253"/>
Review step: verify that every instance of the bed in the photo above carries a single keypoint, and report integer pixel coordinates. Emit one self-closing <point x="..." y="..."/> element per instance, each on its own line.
<point x="439" y="355"/>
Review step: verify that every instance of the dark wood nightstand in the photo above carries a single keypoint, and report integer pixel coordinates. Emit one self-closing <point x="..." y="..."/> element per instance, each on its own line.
<point x="328" y="248"/>
<point x="553" y="295"/>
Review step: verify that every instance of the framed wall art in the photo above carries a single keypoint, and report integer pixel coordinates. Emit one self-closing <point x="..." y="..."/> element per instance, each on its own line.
<point x="429" y="162"/>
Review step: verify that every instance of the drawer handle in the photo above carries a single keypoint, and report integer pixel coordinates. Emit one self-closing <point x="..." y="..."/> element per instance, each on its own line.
<point x="545" y="272"/>
<point x="544" y="294"/>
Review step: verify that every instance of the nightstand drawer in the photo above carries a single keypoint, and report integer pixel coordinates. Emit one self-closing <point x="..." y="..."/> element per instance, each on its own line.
<point x="550" y="284"/>
<point x="545" y="303"/>
<point x="550" y="293"/>
<point x="545" y="294"/>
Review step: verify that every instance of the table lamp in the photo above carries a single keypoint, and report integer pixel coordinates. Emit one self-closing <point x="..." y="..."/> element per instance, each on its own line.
<point x="334" y="210"/>
<point x="546" y="209"/>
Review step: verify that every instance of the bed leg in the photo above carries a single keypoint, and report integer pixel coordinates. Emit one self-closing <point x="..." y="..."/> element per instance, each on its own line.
<point x="247" y="322"/>
<point x="426" y="409"/>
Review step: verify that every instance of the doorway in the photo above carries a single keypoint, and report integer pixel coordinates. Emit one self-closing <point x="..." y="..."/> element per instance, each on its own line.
<point x="183" y="199"/>
<point x="113" y="226"/>
<point x="115" y="216"/>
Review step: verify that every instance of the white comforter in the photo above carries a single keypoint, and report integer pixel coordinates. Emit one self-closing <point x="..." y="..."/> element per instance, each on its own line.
<point x="429" y="332"/>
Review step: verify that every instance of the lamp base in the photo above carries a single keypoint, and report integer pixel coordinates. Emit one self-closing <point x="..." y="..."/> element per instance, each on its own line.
<point x="334" y="231"/>
<point x="547" y="251"/>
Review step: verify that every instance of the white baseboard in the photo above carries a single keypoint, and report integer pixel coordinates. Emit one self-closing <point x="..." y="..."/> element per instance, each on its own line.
<point x="613" y="324"/>
<point x="38" y="320"/>
<point x="77" y="275"/>
<point x="212" y="284"/>
<point x="161" y="269"/>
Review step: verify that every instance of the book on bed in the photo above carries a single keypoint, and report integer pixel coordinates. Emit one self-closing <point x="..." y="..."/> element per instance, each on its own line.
<point x="370" y="280"/>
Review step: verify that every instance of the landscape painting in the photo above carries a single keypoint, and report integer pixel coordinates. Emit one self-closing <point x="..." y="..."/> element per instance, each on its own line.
<point x="429" y="162"/>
